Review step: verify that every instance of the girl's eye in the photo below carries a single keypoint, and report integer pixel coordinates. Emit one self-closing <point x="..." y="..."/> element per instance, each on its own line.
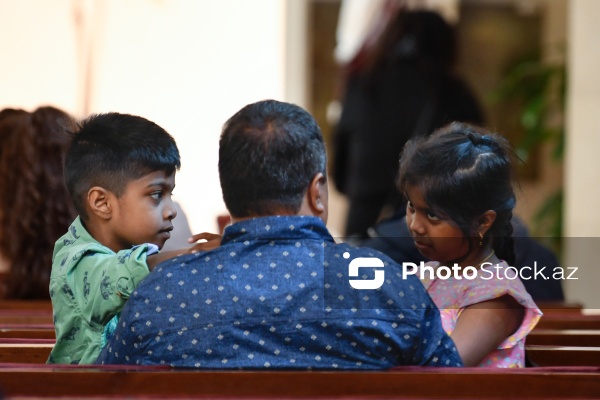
<point x="409" y="205"/>
<point x="431" y="215"/>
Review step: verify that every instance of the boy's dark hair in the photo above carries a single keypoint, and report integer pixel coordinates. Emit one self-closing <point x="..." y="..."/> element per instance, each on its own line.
<point x="463" y="171"/>
<point x="268" y="154"/>
<point x="112" y="149"/>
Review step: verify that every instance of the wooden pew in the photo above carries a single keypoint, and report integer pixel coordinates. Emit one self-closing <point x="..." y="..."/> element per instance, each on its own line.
<point x="26" y="317"/>
<point x="581" y="338"/>
<point x="544" y="356"/>
<point x="403" y="383"/>
<point x="569" y="321"/>
<point x="26" y="353"/>
<point x="27" y="332"/>
<point x="550" y="356"/>
<point x="35" y="305"/>
<point x="37" y="353"/>
<point x="554" y="307"/>
<point x="25" y="312"/>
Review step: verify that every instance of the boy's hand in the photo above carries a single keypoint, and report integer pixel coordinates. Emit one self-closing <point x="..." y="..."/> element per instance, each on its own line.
<point x="211" y="241"/>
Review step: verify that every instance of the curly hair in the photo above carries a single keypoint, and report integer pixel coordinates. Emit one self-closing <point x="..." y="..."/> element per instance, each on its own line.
<point x="35" y="206"/>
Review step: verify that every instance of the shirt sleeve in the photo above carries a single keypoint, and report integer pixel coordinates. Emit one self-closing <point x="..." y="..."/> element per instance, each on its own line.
<point x="103" y="281"/>
<point x="437" y="348"/>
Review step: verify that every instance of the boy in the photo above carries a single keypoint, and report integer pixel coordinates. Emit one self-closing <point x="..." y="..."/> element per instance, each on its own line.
<point x="120" y="172"/>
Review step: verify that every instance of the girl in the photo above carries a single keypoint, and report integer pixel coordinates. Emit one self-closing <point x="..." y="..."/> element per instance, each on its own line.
<point x="458" y="183"/>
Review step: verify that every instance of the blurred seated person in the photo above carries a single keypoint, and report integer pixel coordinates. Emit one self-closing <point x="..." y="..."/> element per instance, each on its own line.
<point x="35" y="207"/>
<point x="392" y="238"/>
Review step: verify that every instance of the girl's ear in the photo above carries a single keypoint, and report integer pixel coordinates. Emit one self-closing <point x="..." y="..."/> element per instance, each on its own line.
<point x="99" y="202"/>
<point x="485" y="221"/>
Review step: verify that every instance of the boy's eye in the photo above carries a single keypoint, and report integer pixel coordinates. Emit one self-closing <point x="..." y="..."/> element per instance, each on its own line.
<point x="156" y="195"/>
<point x="409" y="205"/>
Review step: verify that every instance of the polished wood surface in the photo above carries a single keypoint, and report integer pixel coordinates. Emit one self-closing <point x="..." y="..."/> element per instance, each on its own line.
<point x="567" y="372"/>
<point x="569" y="321"/>
<point x="552" y="356"/>
<point x="32" y="353"/>
<point x="564" y="337"/>
<point x="414" y="383"/>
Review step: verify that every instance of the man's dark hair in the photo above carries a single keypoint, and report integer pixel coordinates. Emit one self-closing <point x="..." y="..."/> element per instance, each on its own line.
<point x="110" y="150"/>
<point x="268" y="154"/>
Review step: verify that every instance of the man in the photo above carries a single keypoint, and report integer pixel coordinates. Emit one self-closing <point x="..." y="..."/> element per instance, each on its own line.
<point x="277" y="292"/>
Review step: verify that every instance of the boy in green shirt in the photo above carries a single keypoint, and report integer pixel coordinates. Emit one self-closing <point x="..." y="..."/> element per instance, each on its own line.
<point x="120" y="171"/>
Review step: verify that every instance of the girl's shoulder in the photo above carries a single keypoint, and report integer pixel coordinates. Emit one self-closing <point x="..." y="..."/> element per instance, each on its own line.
<point x="471" y="286"/>
<point x="496" y="280"/>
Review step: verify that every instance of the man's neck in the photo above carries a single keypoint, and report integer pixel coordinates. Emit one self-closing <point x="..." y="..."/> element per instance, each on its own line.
<point x="276" y="212"/>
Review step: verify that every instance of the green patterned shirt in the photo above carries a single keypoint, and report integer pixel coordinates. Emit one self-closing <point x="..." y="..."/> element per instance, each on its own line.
<point x="89" y="285"/>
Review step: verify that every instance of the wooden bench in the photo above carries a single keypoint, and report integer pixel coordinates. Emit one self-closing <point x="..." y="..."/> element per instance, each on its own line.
<point x="29" y="353"/>
<point x="409" y="382"/>
<point x="547" y="356"/>
<point x="27" y="333"/>
<point x="26" y="317"/>
<point x="569" y="321"/>
<point x="581" y="338"/>
<point x="36" y="352"/>
<point x="554" y="307"/>
<point x="37" y="305"/>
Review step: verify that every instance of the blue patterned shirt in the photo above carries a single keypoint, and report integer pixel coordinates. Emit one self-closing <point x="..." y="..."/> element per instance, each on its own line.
<point x="276" y="294"/>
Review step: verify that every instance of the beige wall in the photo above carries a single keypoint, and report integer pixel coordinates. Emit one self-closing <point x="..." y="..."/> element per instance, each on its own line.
<point x="188" y="65"/>
<point x="582" y="173"/>
<point x="39" y="64"/>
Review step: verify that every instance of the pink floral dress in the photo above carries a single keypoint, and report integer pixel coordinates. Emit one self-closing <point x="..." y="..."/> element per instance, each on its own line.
<point x="453" y="295"/>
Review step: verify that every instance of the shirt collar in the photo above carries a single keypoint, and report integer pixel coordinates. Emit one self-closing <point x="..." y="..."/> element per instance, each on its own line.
<point x="78" y="231"/>
<point x="277" y="227"/>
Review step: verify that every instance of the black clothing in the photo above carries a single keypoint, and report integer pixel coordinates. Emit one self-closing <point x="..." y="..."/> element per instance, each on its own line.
<point x="380" y="113"/>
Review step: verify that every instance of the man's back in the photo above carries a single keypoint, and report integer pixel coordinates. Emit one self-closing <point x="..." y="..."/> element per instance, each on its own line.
<point x="276" y="295"/>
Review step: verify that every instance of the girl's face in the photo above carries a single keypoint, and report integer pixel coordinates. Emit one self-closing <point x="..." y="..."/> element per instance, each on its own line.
<point x="435" y="238"/>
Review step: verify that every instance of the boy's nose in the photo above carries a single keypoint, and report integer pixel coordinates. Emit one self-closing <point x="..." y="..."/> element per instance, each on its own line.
<point x="171" y="211"/>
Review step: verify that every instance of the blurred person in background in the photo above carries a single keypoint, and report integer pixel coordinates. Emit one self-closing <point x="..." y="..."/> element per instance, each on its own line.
<point x="35" y="207"/>
<point x="400" y="84"/>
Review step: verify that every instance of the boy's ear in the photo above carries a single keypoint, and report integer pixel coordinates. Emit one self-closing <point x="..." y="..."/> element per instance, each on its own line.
<point x="486" y="221"/>
<point x="99" y="202"/>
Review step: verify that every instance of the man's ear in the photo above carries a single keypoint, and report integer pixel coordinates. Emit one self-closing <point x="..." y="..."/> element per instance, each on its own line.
<point x="99" y="202"/>
<point x="485" y="221"/>
<point x="318" y="195"/>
